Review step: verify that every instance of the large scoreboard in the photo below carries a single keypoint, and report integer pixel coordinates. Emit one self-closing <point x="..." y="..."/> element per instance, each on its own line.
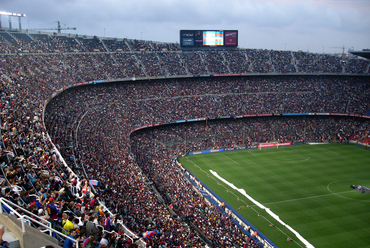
<point x="208" y="38"/>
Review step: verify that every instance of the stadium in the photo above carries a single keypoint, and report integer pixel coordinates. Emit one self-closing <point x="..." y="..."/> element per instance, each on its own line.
<point x="93" y="127"/>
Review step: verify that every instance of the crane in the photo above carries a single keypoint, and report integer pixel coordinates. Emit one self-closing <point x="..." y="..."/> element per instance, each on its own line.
<point x="343" y="47"/>
<point x="59" y="28"/>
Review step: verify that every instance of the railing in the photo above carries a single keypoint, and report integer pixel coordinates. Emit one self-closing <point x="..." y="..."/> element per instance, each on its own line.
<point x="25" y="218"/>
<point x="127" y="232"/>
<point x="51" y="230"/>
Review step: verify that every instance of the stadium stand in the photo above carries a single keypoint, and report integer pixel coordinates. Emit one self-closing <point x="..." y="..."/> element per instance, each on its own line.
<point x="136" y="187"/>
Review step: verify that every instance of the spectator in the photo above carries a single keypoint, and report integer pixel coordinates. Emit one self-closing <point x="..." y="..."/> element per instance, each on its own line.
<point x="70" y="243"/>
<point x="3" y="243"/>
<point x="91" y="229"/>
<point x="53" y="210"/>
<point x="111" y="112"/>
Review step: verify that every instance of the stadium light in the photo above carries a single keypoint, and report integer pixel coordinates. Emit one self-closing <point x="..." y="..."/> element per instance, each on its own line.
<point x="10" y="18"/>
<point x="11" y="14"/>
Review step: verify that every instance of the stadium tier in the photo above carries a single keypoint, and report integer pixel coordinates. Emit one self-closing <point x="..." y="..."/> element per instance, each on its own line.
<point x="94" y="125"/>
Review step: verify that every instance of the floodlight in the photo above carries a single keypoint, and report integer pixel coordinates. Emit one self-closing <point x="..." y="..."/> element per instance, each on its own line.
<point x="10" y="18"/>
<point x="11" y="14"/>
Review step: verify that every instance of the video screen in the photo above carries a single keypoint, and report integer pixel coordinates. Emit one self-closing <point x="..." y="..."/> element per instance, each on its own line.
<point x="213" y="38"/>
<point x="208" y="38"/>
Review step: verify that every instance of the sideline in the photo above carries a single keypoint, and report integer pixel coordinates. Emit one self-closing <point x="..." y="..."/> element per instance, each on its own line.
<point x="242" y="191"/>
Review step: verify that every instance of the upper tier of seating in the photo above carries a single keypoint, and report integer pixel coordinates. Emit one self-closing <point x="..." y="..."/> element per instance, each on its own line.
<point x="34" y="67"/>
<point x="148" y="58"/>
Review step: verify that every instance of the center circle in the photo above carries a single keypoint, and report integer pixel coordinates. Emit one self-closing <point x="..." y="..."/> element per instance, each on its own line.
<point x="341" y="188"/>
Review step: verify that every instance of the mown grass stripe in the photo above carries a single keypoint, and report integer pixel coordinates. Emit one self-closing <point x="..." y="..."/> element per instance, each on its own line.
<point x="298" y="188"/>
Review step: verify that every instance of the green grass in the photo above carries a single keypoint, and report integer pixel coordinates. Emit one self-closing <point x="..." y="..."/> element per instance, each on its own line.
<point x="307" y="186"/>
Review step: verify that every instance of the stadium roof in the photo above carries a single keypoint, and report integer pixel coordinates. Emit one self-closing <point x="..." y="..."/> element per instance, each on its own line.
<point x="365" y="53"/>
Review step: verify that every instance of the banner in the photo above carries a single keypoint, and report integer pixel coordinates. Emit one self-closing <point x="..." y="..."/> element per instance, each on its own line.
<point x="274" y="144"/>
<point x="207" y="151"/>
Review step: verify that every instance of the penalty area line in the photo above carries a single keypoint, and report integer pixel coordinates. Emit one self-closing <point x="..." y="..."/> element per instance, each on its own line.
<point x="329" y="151"/>
<point x="276" y="217"/>
<point x="230" y="159"/>
<point x="304" y="198"/>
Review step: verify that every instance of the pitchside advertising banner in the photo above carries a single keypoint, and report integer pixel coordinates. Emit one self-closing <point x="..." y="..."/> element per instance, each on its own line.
<point x="274" y="144"/>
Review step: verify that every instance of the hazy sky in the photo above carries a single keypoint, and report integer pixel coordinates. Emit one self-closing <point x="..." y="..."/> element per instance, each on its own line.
<point x="310" y="25"/>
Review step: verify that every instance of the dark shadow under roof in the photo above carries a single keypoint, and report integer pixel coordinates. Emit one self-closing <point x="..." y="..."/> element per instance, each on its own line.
<point x="363" y="54"/>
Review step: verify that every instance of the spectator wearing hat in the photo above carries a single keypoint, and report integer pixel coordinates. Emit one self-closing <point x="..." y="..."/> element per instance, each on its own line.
<point x="77" y="209"/>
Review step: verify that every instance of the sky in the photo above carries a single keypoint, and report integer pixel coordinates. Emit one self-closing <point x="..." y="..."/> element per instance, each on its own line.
<point x="319" y="26"/>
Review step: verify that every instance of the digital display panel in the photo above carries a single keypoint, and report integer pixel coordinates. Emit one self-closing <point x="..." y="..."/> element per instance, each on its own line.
<point x="213" y="38"/>
<point x="187" y="42"/>
<point x="231" y="38"/>
<point x="208" y="38"/>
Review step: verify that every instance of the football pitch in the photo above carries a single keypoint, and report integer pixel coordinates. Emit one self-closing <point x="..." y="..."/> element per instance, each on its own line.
<point x="307" y="186"/>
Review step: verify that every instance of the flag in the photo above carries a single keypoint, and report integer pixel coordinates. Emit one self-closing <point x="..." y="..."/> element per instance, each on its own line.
<point x="35" y="202"/>
<point x="150" y="234"/>
<point x="86" y="241"/>
<point x="93" y="182"/>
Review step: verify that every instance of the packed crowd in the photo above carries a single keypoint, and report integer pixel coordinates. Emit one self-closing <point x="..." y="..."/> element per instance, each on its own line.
<point x="147" y="56"/>
<point x="282" y="61"/>
<point x="137" y="181"/>
<point x="40" y="183"/>
<point x="115" y="116"/>
<point x="151" y="64"/>
<point x="231" y="133"/>
<point x="156" y="162"/>
<point x="319" y="63"/>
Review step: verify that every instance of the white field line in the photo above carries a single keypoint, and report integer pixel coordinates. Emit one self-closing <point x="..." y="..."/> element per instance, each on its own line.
<point x="249" y="150"/>
<point x="329" y="151"/>
<point x="309" y="197"/>
<point x="276" y="217"/>
<point x="257" y="152"/>
<point x="230" y="159"/>
<point x="295" y="160"/>
<point x="242" y="200"/>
